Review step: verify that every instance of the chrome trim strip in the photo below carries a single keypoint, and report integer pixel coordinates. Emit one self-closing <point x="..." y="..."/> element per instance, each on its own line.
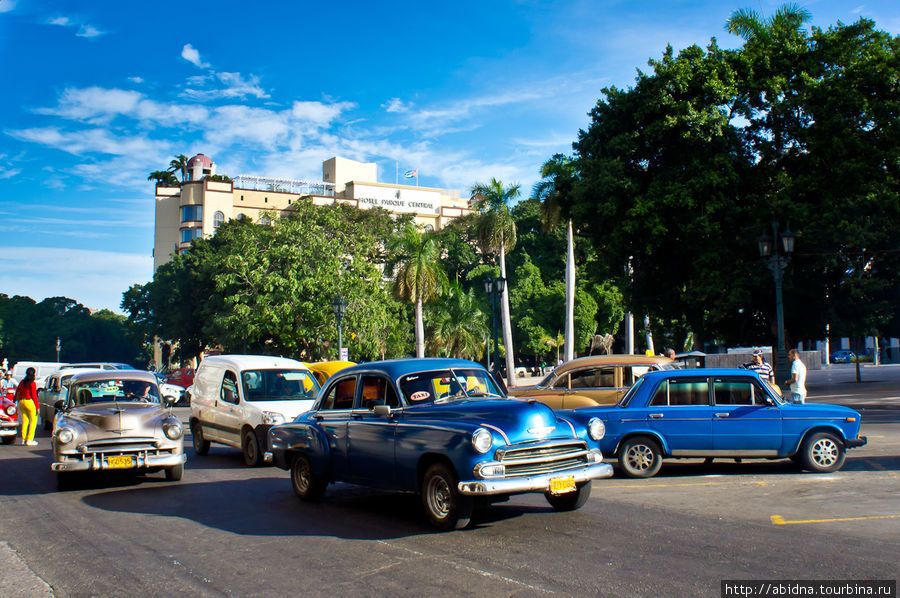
<point x="540" y="444"/>
<point x="574" y="434"/>
<point x="497" y="430"/>
<point x="725" y="453"/>
<point x="546" y="458"/>
<point x="533" y="483"/>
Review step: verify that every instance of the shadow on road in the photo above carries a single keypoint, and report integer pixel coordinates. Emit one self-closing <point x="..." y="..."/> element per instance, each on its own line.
<point x="268" y="507"/>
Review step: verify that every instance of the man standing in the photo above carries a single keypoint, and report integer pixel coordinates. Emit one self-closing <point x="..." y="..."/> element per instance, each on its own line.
<point x="759" y="365"/>
<point x="798" y="378"/>
<point x="8" y="384"/>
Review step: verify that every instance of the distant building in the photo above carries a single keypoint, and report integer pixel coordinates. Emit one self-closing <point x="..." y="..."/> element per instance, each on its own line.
<point x="200" y="204"/>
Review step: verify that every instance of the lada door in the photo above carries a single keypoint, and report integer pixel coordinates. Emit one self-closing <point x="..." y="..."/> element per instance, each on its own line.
<point x="371" y="437"/>
<point x="680" y="411"/>
<point x="332" y="417"/>
<point x="228" y="417"/>
<point x="743" y="422"/>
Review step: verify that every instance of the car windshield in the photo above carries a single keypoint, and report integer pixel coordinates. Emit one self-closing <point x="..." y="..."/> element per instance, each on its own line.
<point x="623" y="402"/>
<point x="279" y="385"/>
<point x="546" y="381"/>
<point x="447" y="385"/>
<point x="774" y="391"/>
<point x="113" y="389"/>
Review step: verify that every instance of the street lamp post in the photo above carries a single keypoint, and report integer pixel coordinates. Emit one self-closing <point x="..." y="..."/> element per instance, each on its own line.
<point x="493" y="287"/>
<point x="339" y="307"/>
<point x="777" y="257"/>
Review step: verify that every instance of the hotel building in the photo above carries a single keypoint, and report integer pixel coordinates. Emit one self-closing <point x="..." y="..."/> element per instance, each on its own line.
<point x="200" y="204"/>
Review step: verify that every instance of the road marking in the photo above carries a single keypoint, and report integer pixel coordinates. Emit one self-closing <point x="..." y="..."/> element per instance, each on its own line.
<point x="667" y="485"/>
<point x="779" y="520"/>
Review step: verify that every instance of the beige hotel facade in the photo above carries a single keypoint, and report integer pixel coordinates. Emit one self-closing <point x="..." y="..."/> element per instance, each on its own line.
<point x="199" y="205"/>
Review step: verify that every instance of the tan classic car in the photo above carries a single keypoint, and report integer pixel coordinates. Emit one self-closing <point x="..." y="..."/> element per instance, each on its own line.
<point x="591" y="381"/>
<point x="115" y="420"/>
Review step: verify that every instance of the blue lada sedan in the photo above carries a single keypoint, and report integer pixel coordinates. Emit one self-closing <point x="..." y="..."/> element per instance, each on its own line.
<point x="442" y="428"/>
<point x="721" y="413"/>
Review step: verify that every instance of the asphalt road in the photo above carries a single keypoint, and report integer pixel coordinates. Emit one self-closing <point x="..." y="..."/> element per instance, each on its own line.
<point x="227" y="530"/>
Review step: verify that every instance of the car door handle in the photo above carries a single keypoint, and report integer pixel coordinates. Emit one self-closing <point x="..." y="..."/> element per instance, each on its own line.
<point x="721" y="415"/>
<point x="656" y="415"/>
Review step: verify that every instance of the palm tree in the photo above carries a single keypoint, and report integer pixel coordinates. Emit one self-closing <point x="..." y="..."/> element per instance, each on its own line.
<point x="163" y="177"/>
<point x="555" y="175"/>
<point x="750" y="25"/>
<point x="496" y="231"/>
<point x="420" y="277"/>
<point x="457" y="325"/>
<point x="179" y="164"/>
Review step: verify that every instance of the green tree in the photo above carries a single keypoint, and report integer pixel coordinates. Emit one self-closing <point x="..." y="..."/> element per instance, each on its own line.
<point x="496" y="231"/>
<point x="456" y="325"/>
<point x="419" y="276"/>
<point x="163" y="177"/>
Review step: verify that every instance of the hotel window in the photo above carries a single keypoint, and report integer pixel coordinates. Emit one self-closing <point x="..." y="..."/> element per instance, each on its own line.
<point x="265" y="220"/>
<point x="189" y="234"/>
<point x="191" y="213"/>
<point x="218" y="219"/>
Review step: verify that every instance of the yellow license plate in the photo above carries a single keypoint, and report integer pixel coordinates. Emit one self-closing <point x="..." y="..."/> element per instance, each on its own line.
<point x="562" y="485"/>
<point x="120" y="462"/>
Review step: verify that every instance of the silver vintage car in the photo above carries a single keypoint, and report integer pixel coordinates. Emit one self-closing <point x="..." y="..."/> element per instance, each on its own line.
<point x="116" y="420"/>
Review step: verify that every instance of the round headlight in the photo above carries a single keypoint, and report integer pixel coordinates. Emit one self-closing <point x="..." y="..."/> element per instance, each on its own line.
<point x="482" y="440"/>
<point x="173" y="431"/>
<point x="596" y="429"/>
<point x="65" y="435"/>
<point x="11" y="410"/>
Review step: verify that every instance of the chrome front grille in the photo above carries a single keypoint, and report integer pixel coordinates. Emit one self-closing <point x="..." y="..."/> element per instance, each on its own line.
<point x="120" y="445"/>
<point x="542" y="457"/>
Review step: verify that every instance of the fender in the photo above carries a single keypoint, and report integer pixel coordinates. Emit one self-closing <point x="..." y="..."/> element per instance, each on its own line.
<point x="664" y="447"/>
<point x="301" y="437"/>
<point x="836" y="430"/>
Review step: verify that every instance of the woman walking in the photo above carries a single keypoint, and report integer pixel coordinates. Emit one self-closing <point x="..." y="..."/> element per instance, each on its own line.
<point x="26" y="395"/>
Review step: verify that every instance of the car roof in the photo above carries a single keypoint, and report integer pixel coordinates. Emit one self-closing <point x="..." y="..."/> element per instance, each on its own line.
<point x="76" y="371"/>
<point x="395" y="368"/>
<point x="95" y="375"/>
<point x="700" y="372"/>
<point x="253" y="362"/>
<point x="589" y="360"/>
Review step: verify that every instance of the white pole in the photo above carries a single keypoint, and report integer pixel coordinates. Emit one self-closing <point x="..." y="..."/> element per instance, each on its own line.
<point x="570" y="293"/>
<point x="629" y="334"/>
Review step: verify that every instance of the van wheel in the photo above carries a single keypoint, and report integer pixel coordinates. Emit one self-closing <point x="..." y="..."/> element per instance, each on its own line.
<point x="446" y="508"/>
<point x="201" y="444"/>
<point x="250" y="444"/>
<point x="307" y="485"/>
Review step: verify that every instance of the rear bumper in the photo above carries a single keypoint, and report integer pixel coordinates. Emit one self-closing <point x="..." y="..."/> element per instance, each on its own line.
<point x="533" y="483"/>
<point x="856" y="442"/>
<point x="98" y="462"/>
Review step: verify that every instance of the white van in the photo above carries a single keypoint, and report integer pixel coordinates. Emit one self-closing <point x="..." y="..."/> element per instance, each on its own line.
<point x="42" y="369"/>
<point x="235" y="399"/>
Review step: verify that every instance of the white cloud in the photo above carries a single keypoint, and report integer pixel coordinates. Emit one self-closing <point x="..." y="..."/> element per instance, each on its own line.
<point x="61" y="21"/>
<point x="137" y="80"/>
<point x="95" y="279"/>
<point x="233" y="85"/>
<point x="858" y="9"/>
<point x="84" y="29"/>
<point x="396" y="105"/>
<point x="97" y="105"/>
<point x="8" y="173"/>
<point x="7" y="5"/>
<point x="89" y="141"/>
<point x="193" y="56"/>
<point x="89" y="31"/>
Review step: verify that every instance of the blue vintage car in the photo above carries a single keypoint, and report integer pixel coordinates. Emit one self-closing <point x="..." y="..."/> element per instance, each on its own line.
<point x="442" y="428"/>
<point x="721" y="413"/>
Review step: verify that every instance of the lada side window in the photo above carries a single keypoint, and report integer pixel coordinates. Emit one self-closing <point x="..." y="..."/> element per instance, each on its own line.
<point x="340" y="395"/>
<point x="377" y="390"/>
<point x="736" y="392"/>
<point x="661" y="396"/>
<point x="688" y="391"/>
<point x="229" y="392"/>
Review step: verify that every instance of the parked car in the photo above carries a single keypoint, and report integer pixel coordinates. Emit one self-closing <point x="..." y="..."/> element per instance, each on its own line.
<point x="323" y="370"/>
<point x="442" y="428"/>
<point x="115" y="420"/>
<point x="235" y="399"/>
<point x="722" y="413"/>
<point x="99" y="365"/>
<point x="56" y="388"/>
<point x="842" y="357"/>
<point x="9" y="420"/>
<point x="169" y="391"/>
<point x="590" y="381"/>
<point x="183" y="377"/>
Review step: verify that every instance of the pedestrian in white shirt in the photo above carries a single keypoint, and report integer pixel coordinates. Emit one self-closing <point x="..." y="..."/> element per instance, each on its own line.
<point x="8" y="383"/>
<point x="798" y="378"/>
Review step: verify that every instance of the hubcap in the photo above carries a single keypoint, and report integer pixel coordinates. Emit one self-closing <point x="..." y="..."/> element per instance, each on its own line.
<point x="250" y="449"/>
<point x="825" y="452"/>
<point x="639" y="457"/>
<point x="301" y="476"/>
<point x="438" y="493"/>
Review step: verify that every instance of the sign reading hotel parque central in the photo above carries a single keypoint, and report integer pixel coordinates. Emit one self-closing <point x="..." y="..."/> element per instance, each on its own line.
<point x="398" y="200"/>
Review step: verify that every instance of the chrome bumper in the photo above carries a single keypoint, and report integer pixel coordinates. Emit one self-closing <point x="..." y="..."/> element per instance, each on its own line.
<point x="8" y="429"/>
<point x="533" y="483"/>
<point x="98" y="463"/>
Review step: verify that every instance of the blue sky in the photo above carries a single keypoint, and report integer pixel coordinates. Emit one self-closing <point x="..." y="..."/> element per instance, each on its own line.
<point x="98" y="94"/>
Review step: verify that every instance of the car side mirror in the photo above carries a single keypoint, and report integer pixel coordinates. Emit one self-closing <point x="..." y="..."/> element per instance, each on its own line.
<point x="770" y="402"/>
<point x="169" y="401"/>
<point x="384" y="410"/>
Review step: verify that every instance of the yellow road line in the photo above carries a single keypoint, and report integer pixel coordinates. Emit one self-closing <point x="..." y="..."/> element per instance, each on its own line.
<point x="779" y="520"/>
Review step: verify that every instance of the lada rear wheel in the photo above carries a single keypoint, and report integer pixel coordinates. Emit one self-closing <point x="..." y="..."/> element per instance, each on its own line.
<point x="201" y="445"/>
<point x="823" y="453"/>
<point x="250" y="444"/>
<point x="306" y="484"/>
<point x="640" y="457"/>
<point x="570" y="500"/>
<point x="445" y="507"/>
<point x="174" y="473"/>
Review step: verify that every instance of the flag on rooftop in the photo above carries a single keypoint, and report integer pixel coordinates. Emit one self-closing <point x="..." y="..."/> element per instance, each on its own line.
<point x="410" y="174"/>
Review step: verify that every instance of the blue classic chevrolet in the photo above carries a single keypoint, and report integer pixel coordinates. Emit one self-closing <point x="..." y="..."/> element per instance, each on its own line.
<point x="442" y="428"/>
<point x="721" y="413"/>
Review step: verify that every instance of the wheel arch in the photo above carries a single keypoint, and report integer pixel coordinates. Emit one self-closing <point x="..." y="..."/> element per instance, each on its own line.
<point x="426" y="460"/>
<point x="836" y="430"/>
<point x="663" y="447"/>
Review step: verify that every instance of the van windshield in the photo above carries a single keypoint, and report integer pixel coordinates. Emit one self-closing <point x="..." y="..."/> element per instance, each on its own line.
<point x="278" y="385"/>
